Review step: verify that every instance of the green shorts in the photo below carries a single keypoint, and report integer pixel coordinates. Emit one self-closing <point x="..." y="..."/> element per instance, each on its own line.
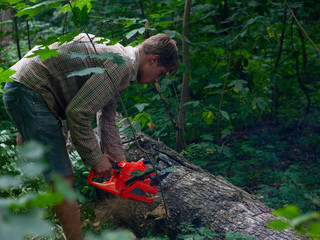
<point x="34" y="120"/>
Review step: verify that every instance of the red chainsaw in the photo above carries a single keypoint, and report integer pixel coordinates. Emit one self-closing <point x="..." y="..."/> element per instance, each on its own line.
<point x="132" y="180"/>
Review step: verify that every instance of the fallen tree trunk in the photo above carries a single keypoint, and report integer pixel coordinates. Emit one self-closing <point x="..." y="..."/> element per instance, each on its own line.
<point x="192" y="195"/>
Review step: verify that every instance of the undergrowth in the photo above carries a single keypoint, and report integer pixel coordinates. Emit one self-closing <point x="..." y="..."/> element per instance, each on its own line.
<point x="280" y="165"/>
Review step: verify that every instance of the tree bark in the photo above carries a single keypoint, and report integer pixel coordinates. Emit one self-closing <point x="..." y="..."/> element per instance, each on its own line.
<point x="4" y="38"/>
<point x="192" y="195"/>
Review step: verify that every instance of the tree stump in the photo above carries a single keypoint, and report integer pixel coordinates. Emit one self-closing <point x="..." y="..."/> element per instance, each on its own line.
<point x="192" y="195"/>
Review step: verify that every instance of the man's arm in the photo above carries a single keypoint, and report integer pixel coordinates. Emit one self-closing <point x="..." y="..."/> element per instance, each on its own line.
<point x="110" y="138"/>
<point x="96" y="93"/>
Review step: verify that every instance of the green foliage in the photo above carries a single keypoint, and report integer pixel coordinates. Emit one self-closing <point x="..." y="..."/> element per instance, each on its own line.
<point x="5" y="74"/>
<point x="307" y="224"/>
<point x="238" y="236"/>
<point x="189" y="231"/>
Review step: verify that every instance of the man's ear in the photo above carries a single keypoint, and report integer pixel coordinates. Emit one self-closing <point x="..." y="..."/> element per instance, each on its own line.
<point x="154" y="59"/>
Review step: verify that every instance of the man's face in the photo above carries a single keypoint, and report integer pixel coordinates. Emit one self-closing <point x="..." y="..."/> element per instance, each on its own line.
<point x="150" y="72"/>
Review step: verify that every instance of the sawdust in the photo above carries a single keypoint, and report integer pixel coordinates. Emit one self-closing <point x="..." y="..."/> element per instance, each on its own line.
<point x="158" y="213"/>
<point x="110" y="208"/>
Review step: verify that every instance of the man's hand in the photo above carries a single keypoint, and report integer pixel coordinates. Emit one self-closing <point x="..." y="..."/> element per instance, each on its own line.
<point x="103" y="168"/>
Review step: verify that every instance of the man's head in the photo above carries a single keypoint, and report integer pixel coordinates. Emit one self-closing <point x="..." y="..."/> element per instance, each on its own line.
<point x="158" y="56"/>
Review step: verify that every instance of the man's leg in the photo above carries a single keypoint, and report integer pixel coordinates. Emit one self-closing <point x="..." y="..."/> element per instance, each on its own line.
<point x="32" y="117"/>
<point x="68" y="215"/>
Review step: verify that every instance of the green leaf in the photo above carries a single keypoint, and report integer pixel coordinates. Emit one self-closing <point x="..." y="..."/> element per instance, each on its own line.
<point x="63" y="187"/>
<point x="11" y="2"/>
<point x="80" y="16"/>
<point x="141" y="106"/>
<point x="17" y="226"/>
<point x="115" y="57"/>
<point x="123" y="120"/>
<point x="76" y="3"/>
<point x="173" y="34"/>
<point x="225" y="132"/>
<point x="33" y="10"/>
<point x="213" y="85"/>
<point x="44" y="53"/>
<point x="290" y="212"/>
<point x="141" y="30"/>
<point x="142" y="118"/>
<point x="226" y="151"/>
<point x="314" y="229"/>
<point x="131" y="33"/>
<point x="46" y="199"/>
<point x="260" y="102"/>
<point x="208" y="117"/>
<point x="136" y="126"/>
<point x="278" y="225"/>
<point x="225" y="115"/>
<point x="68" y="37"/>
<point x="31" y="151"/>
<point x="193" y="103"/>
<point x="86" y="71"/>
<point x="165" y="24"/>
<point x="304" y="219"/>
<point x="5" y="75"/>
<point x="9" y="182"/>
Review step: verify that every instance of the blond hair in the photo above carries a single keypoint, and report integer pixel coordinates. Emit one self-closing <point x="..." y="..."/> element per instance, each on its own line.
<point x="162" y="45"/>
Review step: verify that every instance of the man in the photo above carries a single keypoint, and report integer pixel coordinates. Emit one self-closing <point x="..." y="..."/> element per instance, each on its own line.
<point x="45" y="92"/>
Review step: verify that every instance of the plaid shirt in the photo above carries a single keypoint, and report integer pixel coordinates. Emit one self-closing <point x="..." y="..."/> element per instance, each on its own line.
<point x="78" y="98"/>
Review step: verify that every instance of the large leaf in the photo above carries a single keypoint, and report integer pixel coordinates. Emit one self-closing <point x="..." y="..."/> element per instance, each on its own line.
<point x="86" y="71"/>
<point x="225" y="115"/>
<point x="141" y="106"/>
<point x="131" y="33"/>
<point x="9" y="182"/>
<point x="290" y="211"/>
<point x="44" y="53"/>
<point x="80" y="16"/>
<point x="173" y="34"/>
<point x="278" y="225"/>
<point x="115" y="57"/>
<point x="5" y="75"/>
<point x="17" y="226"/>
<point x="33" y="10"/>
<point x="76" y="3"/>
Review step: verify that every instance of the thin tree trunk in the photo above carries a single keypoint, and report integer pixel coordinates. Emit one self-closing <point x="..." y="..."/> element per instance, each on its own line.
<point x="275" y="86"/>
<point x="28" y="34"/>
<point x="64" y="29"/>
<point x="180" y="144"/>
<point x="16" y="31"/>
<point x="300" y="82"/>
<point x="141" y="8"/>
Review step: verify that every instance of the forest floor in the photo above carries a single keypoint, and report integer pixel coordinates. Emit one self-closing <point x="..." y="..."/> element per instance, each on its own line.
<point x="280" y="162"/>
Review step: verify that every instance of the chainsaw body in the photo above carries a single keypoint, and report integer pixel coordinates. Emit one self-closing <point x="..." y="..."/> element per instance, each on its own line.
<point x="141" y="187"/>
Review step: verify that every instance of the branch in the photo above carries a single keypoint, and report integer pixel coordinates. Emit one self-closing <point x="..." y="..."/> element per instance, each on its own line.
<point x="168" y="110"/>
<point x="297" y="21"/>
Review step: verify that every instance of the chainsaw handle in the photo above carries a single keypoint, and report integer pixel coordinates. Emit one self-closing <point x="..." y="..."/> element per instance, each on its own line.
<point x="90" y="177"/>
<point x="115" y="168"/>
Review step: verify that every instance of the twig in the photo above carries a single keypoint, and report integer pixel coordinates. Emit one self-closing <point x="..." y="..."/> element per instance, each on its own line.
<point x="224" y="90"/>
<point x="169" y="112"/>
<point x="297" y="21"/>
